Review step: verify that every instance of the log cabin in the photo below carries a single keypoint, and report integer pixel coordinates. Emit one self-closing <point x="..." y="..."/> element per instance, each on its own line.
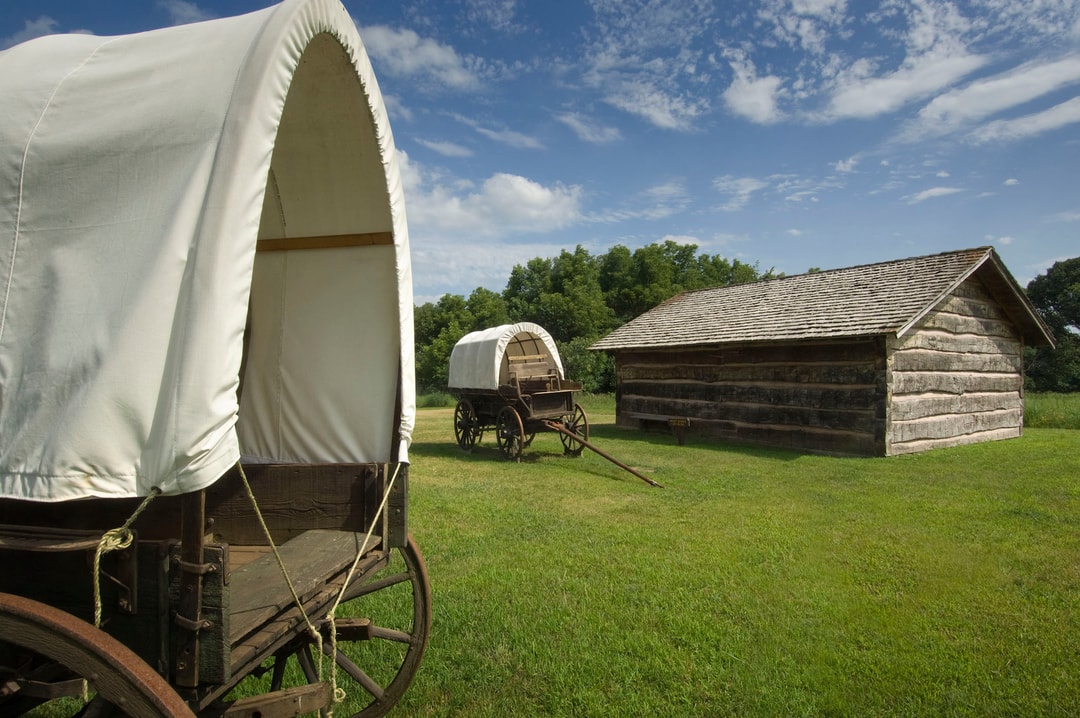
<point x="874" y="360"/>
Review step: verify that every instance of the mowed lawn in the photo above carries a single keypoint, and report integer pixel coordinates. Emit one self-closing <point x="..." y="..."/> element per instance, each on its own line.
<point x="756" y="582"/>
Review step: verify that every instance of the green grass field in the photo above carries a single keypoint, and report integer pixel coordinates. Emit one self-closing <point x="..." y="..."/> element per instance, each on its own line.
<point x="757" y="582"/>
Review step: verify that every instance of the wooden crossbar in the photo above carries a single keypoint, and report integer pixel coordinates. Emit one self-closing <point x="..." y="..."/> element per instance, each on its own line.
<point x="333" y="241"/>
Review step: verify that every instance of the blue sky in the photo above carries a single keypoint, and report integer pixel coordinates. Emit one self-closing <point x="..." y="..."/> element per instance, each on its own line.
<point x="787" y="133"/>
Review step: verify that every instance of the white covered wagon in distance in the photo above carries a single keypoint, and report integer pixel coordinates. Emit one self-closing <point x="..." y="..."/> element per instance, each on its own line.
<point x="510" y="378"/>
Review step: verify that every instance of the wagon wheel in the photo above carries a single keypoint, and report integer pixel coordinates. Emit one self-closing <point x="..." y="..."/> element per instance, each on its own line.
<point x="577" y="423"/>
<point x="382" y="632"/>
<point x="45" y="653"/>
<point x="466" y="425"/>
<point x="509" y="432"/>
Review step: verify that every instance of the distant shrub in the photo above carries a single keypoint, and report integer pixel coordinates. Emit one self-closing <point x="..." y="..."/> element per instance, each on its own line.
<point x="434" y="400"/>
<point x="1045" y="410"/>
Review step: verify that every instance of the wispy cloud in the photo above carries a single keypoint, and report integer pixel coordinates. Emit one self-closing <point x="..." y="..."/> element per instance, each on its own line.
<point x="589" y="130"/>
<point x="446" y="149"/>
<point x="1064" y="217"/>
<point x="961" y="108"/>
<point x="737" y="190"/>
<point x="656" y="202"/>
<point x="43" y="25"/>
<point x="182" y="12"/>
<point x="930" y="194"/>
<point x="504" y="136"/>
<point x="1055" y="118"/>
<point x="643" y="97"/>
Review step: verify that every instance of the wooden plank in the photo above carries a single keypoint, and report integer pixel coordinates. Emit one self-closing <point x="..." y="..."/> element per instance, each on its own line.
<point x="866" y="350"/>
<point x="911" y="447"/>
<point x="973" y="344"/>
<point x="915" y="382"/>
<point x="293" y="497"/>
<point x="259" y="591"/>
<point x="927" y="360"/>
<point x="286" y="703"/>
<point x="921" y="406"/>
<point x="797" y="395"/>
<point x="861" y="373"/>
<point x="336" y="241"/>
<point x="954" y="425"/>
<point x="959" y="324"/>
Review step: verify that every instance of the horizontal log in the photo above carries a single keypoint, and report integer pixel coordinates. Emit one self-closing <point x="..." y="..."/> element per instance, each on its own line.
<point x="972" y="306"/>
<point x="863" y="421"/>
<point x="855" y="350"/>
<point x="911" y="447"/>
<point x="959" y="324"/>
<point x="968" y="343"/>
<point x="805" y="439"/>
<point x="929" y="360"/>
<point x="944" y="427"/>
<point x="829" y="397"/>
<point x="917" y="382"/>
<point x="921" y="406"/>
<point x="837" y="374"/>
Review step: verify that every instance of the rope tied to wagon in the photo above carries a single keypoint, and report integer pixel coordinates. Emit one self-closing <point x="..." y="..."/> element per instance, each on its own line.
<point x="116" y="539"/>
<point x="311" y="629"/>
<point x="339" y="693"/>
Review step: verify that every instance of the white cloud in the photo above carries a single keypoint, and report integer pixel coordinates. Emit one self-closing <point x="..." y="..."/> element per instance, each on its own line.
<point x="859" y="97"/>
<point x="43" y="25"/>
<point x="738" y="190"/>
<point x="461" y="232"/>
<point x="589" y="131"/>
<point x="1011" y="182"/>
<point x="1064" y="217"/>
<point x="446" y="149"/>
<point x="804" y="24"/>
<point x="656" y="202"/>
<point x="503" y="205"/>
<point x="846" y="166"/>
<point x="931" y="193"/>
<point x="794" y="232"/>
<point x="404" y="53"/>
<point x="1056" y="117"/>
<point x="641" y="96"/>
<point x="510" y="138"/>
<point x="988" y="96"/>
<point x="183" y="12"/>
<point x="753" y="97"/>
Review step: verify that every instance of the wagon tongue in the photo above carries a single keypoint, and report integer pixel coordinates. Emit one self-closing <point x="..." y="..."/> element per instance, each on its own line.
<point x="555" y="426"/>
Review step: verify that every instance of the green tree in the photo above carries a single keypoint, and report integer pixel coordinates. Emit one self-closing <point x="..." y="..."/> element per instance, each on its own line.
<point x="635" y="283"/>
<point x="562" y="295"/>
<point x="1056" y="295"/>
<point x="439" y="326"/>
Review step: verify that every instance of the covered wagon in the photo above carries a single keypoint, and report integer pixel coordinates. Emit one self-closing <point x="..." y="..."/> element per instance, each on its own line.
<point x="510" y="378"/>
<point x="206" y="374"/>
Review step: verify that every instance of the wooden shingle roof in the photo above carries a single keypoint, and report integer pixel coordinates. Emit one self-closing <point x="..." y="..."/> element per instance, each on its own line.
<point x="868" y="300"/>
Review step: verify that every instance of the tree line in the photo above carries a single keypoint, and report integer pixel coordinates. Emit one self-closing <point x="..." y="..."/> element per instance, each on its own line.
<point x="579" y="297"/>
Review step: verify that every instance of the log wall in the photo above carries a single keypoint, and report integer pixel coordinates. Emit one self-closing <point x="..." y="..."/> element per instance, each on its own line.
<point x="957" y="377"/>
<point x="811" y="396"/>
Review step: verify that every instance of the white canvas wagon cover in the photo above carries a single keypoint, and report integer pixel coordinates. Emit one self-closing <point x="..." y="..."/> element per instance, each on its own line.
<point x="144" y="341"/>
<point x="484" y="359"/>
